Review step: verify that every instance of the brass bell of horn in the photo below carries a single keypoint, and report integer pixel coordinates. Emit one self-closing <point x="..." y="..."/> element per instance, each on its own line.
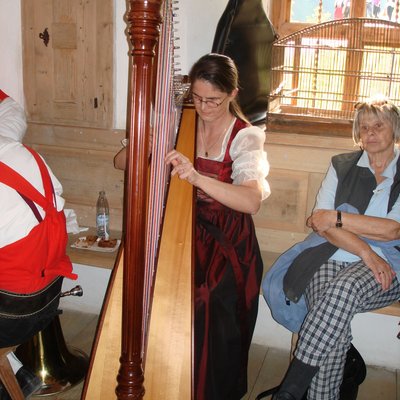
<point x="46" y="354"/>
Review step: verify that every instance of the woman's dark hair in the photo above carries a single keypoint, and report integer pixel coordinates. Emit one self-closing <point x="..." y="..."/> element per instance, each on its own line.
<point x="219" y="70"/>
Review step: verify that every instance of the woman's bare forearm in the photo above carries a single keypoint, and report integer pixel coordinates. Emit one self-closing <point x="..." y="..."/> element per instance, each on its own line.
<point x="244" y="198"/>
<point x="375" y="228"/>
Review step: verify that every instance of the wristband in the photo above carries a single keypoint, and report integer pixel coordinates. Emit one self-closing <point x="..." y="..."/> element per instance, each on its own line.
<point x="339" y="223"/>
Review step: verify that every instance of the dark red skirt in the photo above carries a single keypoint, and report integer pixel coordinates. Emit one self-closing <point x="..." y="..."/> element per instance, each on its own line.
<point x="228" y="274"/>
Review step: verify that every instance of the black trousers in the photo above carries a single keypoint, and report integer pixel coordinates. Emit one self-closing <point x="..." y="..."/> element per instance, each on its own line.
<point x="24" y="315"/>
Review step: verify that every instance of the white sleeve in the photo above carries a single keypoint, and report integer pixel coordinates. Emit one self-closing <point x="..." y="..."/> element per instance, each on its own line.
<point x="327" y="192"/>
<point x="17" y="217"/>
<point x="249" y="158"/>
<point x="395" y="211"/>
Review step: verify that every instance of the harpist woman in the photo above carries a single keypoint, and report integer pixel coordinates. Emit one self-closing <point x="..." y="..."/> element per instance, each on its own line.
<point x="229" y="173"/>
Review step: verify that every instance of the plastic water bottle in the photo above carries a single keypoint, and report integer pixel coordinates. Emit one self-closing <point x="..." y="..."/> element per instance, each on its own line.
<point x="102" y="216"/>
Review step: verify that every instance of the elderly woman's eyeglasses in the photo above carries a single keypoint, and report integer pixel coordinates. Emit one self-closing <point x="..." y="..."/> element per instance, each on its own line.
<point x="209" y="103"/>
<point x="376" y="128"/>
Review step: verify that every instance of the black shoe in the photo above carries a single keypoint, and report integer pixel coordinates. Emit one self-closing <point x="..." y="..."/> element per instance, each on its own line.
<point x="28" y="382"/>
<point x="267" y="393"/>
<point x="283" y="396"/>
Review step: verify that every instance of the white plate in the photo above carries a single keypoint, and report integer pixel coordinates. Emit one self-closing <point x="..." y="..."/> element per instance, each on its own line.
<point x="82" y="245"/>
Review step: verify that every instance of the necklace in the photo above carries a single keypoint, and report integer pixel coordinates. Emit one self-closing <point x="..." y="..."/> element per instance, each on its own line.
<point x="207" y="149"/>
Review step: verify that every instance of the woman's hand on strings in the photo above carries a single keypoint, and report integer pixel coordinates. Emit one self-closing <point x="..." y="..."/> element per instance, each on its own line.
<point x="182" y="167"/>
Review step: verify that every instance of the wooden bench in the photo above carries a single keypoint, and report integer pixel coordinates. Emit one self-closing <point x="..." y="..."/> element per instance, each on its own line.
<point x="393" y="309"/>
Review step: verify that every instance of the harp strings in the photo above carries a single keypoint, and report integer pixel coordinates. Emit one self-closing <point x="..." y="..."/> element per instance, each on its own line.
<point x="165" y="119"/>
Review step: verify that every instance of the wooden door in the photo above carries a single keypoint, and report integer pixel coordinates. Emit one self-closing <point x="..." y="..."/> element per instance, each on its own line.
<point x="68" y="61"/>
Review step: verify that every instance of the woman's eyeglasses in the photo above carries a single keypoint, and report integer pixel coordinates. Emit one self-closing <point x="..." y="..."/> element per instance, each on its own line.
<point x="209" y="103"/>
<point x="376" y="128"/>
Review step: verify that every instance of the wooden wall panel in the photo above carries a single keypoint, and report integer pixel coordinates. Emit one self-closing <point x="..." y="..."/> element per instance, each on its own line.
<point x="38" y="77"/>
<point x="285" y="208"/>
<point x="82" y="159"/>
<point x="69" y="79"/>
<point x="309" y="159"/>
<point x="314" y="183"/>
<point x="277" y="241"/>
<point x="298" y="165"/>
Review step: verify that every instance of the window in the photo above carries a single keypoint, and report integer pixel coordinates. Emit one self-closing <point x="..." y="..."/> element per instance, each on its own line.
<point x="316" y="11"/>
<point x="289" y="16"/>
<point x="322" y="69"/>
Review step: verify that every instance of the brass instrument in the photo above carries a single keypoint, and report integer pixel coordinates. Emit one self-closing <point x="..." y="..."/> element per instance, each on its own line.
<point x="47" y="355"/>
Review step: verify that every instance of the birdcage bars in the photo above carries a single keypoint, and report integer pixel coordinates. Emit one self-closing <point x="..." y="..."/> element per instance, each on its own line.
<point x="321" y="71"/>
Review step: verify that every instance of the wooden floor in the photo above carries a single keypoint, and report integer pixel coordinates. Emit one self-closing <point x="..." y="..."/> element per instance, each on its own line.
<point x="266" y="368"/>
<point x="268" y="365"/>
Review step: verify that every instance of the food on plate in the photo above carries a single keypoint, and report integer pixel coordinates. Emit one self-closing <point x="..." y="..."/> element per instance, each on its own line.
<point x="107" y="243"/>
<point x="86" y="241"/>
<point x="91" y="239"/>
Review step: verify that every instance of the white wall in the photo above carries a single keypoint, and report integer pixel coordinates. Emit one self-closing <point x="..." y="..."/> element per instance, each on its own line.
<point x="196" y="28"/>
<point x="198" y="20"/>
<point x="94" y="282"/>
<point x="11" y="49"/>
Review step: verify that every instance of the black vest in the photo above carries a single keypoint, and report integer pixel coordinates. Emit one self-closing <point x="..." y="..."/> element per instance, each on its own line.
<point x="356" y="184"/>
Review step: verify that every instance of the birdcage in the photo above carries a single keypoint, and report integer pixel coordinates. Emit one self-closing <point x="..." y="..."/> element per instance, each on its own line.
<point x="320" y="72"/>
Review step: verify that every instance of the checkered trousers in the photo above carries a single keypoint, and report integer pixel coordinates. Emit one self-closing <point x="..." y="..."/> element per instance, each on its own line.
<point x="337" y="292"/>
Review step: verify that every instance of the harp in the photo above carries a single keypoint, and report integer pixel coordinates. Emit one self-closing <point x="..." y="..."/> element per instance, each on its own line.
<point x="143" y="342"/>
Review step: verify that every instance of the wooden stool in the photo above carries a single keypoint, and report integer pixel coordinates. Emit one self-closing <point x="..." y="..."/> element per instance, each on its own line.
<point x="7" y="375"/>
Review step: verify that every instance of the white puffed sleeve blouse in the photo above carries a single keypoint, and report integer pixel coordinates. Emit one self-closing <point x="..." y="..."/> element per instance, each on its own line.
<point x="249" y="157"/>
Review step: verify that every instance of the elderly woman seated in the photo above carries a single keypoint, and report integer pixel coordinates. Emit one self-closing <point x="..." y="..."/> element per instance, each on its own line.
<point x="350" y="264"/>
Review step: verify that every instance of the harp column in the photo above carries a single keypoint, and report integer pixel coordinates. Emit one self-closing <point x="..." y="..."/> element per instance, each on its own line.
<point x="144" y="19"/>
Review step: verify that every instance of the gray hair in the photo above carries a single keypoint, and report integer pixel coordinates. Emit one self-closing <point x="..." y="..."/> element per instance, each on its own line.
<point x="384" y="109"/>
